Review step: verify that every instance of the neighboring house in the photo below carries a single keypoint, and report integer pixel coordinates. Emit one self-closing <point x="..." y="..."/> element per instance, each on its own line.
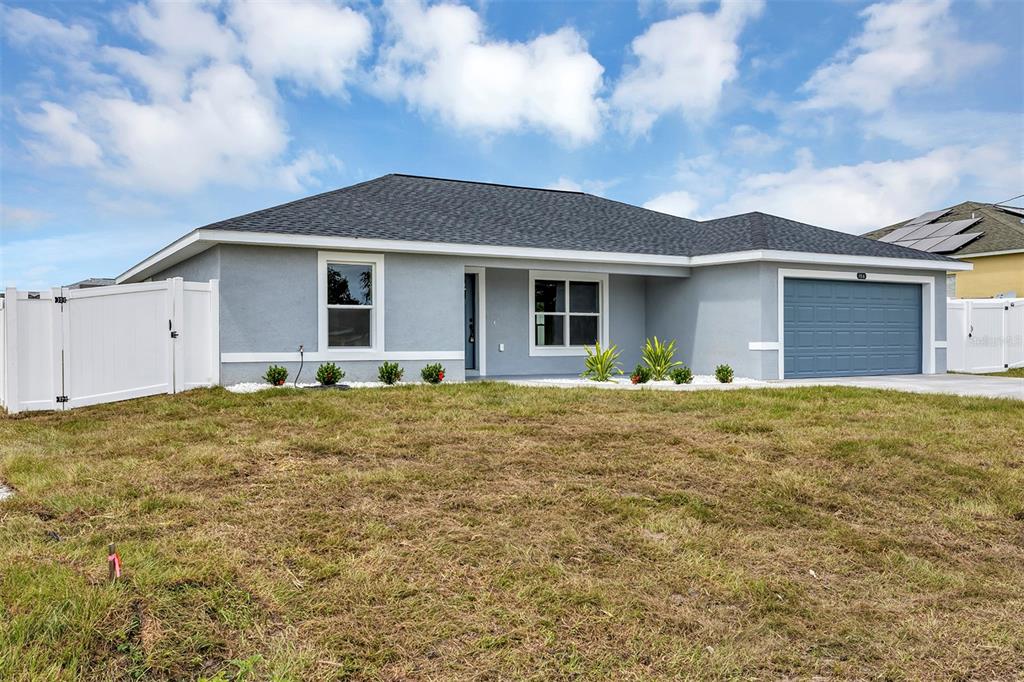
<point x="495" y="280"/>
<point x="93" y="282"/>
<point x="989" y="236"/>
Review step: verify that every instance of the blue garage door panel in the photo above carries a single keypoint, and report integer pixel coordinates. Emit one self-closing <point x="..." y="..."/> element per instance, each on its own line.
<point x="841" y="328"/>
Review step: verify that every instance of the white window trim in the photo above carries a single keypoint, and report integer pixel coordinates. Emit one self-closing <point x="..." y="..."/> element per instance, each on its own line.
<point x="603" y="313"/>
<point x="481" y="319"/>
<point x="376" y="318"/>
<point x="927" y="307"/>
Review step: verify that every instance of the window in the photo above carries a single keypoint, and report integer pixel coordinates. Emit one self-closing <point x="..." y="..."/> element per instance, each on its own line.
<point x="567" y="312"/>
<point x="350" y="317"/>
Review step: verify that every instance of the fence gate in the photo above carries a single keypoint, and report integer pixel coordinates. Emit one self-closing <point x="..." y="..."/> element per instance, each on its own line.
<point x="69" y="348"/>
<point x="985" y="334"/>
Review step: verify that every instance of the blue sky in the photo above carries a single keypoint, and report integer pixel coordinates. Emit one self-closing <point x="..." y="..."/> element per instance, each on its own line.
<point x="126" y="125"/>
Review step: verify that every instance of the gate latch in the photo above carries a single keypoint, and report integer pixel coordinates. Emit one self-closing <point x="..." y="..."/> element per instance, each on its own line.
<point x="61" y="399"/>
<point x="60" y="299"/>
<point x="174" y="335"/>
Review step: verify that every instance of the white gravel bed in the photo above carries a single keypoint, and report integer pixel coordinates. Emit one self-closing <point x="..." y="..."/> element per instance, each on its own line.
<point x="700" y="381"/>
<point x="255" y="386"/>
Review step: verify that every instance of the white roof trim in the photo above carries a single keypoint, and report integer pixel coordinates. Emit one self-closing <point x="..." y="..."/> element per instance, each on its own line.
<point x="825" y="259"/>
<point x="201" y="239"/>
<point x="988" y="253"/>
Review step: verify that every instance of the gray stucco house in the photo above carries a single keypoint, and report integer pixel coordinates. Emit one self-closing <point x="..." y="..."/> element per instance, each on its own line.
<point x="496" y="280"/>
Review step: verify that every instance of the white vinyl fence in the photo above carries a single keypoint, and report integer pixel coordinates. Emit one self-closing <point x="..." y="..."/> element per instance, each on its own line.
<point x="984" y="334"/>
<point x="67" y="348"/>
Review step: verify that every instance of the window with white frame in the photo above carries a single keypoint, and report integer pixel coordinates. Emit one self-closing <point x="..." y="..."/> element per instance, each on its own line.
<point x="348" y="293"/>
<point x="567" y="311"/>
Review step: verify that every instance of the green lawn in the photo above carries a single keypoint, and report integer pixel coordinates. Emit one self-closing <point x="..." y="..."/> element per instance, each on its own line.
<point x="490" y="531"/>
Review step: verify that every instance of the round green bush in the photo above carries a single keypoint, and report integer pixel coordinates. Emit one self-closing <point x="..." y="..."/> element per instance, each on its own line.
<point x="276" y="375"/>
<point x="433" y="373"/>
<point x="329" y="374"/>
<point x="390" y="373"/>
<point x="682" y="375"/>
<point x="724" y="374"/>
<point x="641" y="374"/>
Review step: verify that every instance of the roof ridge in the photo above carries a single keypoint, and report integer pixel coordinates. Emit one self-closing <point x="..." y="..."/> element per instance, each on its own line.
<point x="488" y="184"/>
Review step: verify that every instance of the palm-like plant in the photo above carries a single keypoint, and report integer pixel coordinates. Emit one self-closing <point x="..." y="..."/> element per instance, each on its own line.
<point x="658" y="356"/>
<point x="601" y="363"/>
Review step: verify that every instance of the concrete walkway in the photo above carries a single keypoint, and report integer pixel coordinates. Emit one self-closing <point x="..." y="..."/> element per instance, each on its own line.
<point x="978" y="386"/>
<point x="947" y="384"/>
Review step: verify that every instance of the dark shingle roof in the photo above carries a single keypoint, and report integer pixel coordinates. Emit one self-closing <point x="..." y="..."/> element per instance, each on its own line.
<point x="761" y="231"/>
<point x="414" y="208"/>
<point x="1002" y="229"/>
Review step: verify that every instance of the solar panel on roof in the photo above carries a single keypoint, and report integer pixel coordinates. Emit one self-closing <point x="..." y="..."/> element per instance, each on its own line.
<point x="955" y="242"/>
<point x="910" y="245"/>
<point x="928" y="217"/>
<point x="1012" y="209"/>
<point x="927" y="244"/>
<point x="954" y="227"/>
<point x="897" y="234"/>
<point x="923" y="231"/>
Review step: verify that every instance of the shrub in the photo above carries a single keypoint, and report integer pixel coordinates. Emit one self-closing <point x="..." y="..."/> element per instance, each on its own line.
<point x="641" y="374"/>
<point x="724" y="374"/>
<point x="601" y="363"/>
<point x="276" y="375"/>
<point x="329" y="374"/>
<point x="433" y="374"/>
<point x="390" y="373"/>
<point x="682" y="375"/>
<point x="658" y="356"/>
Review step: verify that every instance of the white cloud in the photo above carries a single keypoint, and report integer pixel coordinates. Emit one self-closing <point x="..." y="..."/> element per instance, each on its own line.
<point x="21" y="218"/>
<point x="440" y="61"/>
<point x="747" y="139"/>
<point x="226" y="129"/>
<point x="184" y="31"/>
<point x="24" y="28"/>
<point x="679" y="203"/>
<point x="683" y="64"/>
<point x="302" y="171"/>
<point x="858" y="197"/>
<point x="312" y="43"/>
<point x="596" y="187"/>
<point x="197" y="104"/>
<point x="930" y="129"/>
<point x="59" y="139"/>
<point x="904" y="44"/>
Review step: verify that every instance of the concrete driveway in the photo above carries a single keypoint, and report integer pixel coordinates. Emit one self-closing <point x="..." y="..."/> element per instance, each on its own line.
<point x="950" y="384"/>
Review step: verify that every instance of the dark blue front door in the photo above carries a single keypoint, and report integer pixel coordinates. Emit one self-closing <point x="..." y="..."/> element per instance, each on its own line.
<point x="850" y="328"/>
<point x="470" y="318"/>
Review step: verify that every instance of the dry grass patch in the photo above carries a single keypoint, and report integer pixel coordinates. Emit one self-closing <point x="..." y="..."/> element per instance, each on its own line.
<point x="492" y="531"/>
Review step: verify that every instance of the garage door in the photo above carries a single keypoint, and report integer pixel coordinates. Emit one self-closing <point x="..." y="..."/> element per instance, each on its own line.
<point x="843" y="328"/>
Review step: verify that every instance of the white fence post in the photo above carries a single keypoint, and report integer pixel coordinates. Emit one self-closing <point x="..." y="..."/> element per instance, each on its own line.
<point x="179" y="329"/>
<point x="215" y="331"/>
<point x="11" y="366"/>
<point x="57" y="344"/>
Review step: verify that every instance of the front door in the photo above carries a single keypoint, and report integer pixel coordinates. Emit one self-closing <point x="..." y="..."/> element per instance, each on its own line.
<point x="470" y="318"/>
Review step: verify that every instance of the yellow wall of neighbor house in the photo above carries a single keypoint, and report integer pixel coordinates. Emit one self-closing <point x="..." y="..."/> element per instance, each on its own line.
<point x="991" y="275"/>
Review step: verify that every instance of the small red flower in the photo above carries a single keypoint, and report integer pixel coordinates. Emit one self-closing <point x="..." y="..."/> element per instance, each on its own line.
<point x="440" y="376"/>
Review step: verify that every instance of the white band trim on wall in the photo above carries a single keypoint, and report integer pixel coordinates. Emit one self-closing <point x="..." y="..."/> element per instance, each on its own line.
<point x="763" y="345"/>
<point x="941" y="344"/>
<point x="450" y="355"/>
